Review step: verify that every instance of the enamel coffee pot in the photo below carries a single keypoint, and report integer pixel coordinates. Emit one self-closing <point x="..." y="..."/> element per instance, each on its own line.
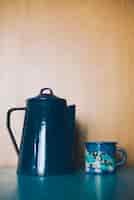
<point x="47" y="137"/>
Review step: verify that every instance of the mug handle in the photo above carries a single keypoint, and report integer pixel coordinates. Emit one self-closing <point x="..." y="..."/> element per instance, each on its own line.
<point x="9" y="127"/>
<point x="123" y="155"/>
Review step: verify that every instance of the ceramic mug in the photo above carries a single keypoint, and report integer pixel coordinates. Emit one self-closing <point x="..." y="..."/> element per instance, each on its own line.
<point x="100" y="157"/>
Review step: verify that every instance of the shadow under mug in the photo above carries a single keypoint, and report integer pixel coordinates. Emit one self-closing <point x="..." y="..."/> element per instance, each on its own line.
<point x="101" y="157"/>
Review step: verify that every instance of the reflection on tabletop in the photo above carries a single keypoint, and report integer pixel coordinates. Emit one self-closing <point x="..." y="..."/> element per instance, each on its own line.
<point x="80" y="186"/>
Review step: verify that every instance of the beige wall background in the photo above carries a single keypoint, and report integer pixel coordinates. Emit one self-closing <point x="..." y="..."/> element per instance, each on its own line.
<point x="84" y="50"/>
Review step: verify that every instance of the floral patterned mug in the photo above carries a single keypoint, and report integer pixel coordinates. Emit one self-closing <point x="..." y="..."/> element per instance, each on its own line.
<point x="100" y="157"/>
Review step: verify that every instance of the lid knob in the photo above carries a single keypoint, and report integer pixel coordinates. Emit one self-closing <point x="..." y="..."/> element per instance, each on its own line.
<point x="46" y="91"/>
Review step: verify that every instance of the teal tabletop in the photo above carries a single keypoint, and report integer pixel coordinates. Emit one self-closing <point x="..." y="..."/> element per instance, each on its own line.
<point x="118" y="186"/>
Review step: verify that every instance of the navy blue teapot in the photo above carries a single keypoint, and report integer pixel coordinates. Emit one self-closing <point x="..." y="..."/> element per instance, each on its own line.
<point x="47" y="137"/>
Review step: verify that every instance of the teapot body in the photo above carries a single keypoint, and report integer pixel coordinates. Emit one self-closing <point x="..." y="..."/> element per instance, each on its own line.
<point x="47" y="137"/>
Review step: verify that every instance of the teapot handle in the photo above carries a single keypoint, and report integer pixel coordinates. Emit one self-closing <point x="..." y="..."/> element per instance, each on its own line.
<point x="9" y="127"/>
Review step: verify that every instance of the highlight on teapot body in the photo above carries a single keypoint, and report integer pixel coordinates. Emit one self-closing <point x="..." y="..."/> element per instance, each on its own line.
<point x="99" y="162"/>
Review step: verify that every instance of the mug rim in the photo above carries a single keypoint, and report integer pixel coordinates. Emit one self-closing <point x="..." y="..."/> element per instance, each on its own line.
<point x="101" y="142"/>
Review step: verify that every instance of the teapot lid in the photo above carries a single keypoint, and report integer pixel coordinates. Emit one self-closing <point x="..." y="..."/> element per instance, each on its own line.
<point x="46" y="94"/>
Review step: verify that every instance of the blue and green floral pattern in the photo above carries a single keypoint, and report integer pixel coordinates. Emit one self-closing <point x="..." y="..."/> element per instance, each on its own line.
<point x="98" y="162"/>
